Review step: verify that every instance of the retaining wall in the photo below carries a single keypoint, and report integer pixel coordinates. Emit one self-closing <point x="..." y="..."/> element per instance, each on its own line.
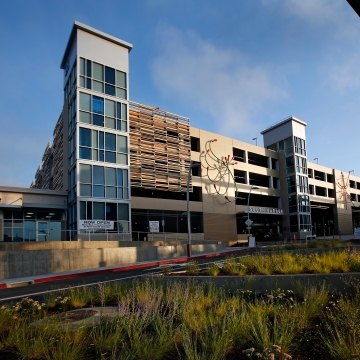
<point x="70" y="256"/>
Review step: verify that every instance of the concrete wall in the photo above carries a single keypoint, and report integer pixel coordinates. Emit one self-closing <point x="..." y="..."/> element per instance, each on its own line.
<point x="70" y="256"/>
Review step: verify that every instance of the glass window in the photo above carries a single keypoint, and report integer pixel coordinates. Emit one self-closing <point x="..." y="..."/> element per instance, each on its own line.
<point x="85" y="137"/>
<point x="98" y="105"/>
<point x="120" y="181"/>
<point x="124" y="111"/>
<point x="121" y="159"/>
<point x="85" y="153"/>
<point x="111" y="192"/>
<point x="110" y="157"/>
<point x="98" y="173"/>
<point x="85" y="173"/>
<point x="110" y="89"/>
<point x="82" y="66"/>
<point x="89" y="211"/>
<point x="109" y="75"/>
<point x="85" y="117"/>
<point x="85" y="102"/>
<point x="98" y="120"/>
<point x="109" y="123"/>
<point x="120" y="79"/>
<point x="98" y="70"/>
<point x="111" y="211"/>
<point x="99" y="191"/>
<point x="95" y="138"/>
<point x="121" y="93"/>
<point x="110" y="108"/>
<point x="88" y="68"/>
<point x="123" y="212"/>
<point x="110" y="142"/>
<point x="98" y="86"/>
<point x="98" y="211"/>
<point x="83" y="210"/>
<point x="85" y="190"/>
<point x="110" y="176"/>
<point x="122" y="144"/>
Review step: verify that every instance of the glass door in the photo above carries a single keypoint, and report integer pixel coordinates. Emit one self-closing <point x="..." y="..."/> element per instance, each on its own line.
<point x="42" y="231"/>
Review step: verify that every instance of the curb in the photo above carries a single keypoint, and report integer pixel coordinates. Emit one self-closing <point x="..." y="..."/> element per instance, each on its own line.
<point x="51" y="278"/>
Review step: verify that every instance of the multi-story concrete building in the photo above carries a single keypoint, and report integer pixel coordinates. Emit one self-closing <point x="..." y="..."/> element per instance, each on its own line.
<point x="106" y="147"/>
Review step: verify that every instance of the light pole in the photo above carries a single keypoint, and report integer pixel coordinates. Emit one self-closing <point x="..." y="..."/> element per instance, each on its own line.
<point x="192" y="166"/>
<point x="248" y="222"/>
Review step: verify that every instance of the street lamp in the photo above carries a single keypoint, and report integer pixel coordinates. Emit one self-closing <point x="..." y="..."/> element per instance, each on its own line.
<point x="192" y="166"/>
<point x="249" y="222"/>
<point x="255" y="138"/>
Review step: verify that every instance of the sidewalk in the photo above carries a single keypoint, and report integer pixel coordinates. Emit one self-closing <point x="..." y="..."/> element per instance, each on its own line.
<point x="37" y="279"/>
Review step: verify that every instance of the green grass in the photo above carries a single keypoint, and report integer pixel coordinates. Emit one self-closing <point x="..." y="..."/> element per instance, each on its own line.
<point x="160" y="321"/>
<point x="336" y="261"/>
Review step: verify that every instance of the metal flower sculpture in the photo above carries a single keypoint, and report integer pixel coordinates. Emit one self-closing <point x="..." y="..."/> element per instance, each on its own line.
<point x="218" y="172"/>
<point x="343" y="184"/>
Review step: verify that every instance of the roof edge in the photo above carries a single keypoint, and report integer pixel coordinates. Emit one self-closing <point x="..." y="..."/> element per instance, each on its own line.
<point x="288" y="119"/>
<point x="78" y="25"/>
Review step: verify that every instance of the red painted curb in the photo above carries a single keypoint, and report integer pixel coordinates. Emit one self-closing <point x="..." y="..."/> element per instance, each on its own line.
<point x="127" y="267"/>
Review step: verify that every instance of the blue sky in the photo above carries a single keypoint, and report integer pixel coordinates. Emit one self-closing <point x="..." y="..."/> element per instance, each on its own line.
<point x="234" y="67"/>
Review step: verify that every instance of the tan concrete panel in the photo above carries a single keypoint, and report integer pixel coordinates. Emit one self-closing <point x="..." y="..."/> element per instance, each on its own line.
<point x="220" y="227"/>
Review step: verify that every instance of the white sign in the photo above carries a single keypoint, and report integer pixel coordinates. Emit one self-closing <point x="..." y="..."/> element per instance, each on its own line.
<point x="154" y="226"/>
<point x="357" y="232"/>
<point x="96" y="225"/>
<point x="265" y="210"/>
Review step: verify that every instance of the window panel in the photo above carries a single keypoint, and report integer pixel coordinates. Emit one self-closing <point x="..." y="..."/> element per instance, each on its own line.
<point x="109" y="75"/>
<point x="120" y="93"/>
<point x="98" y="120"/>
<point x="111" y="192"/>
<point x="124" y="111"/>
<point x="85" y="173"/>
<point x="109" y="123"/>
<point x="85" y="137"/>
<point x="85" y="102"/>
<point x="121" y="159"/>
<point x="98" y="211"/>
<point x="110" y="142"/>
<point x="122" y="144"/>
<point x="110" y="157"/>
<point x="82" y="66"/>
<point x="83" y="210"/>
<point x="99" y="191"/>
<point x="111" y="211"/>
<point x="98" y="175"/>
<point x="123" y="212"/>
<point x="98" y="105"/>
<point x="110" y="176"/>
<point x="85" y="190"/>
<point x="98" y="70"/>
<point x="85" y="153"/>
<point x="110" y="108"/>
<point x="120" y="79"/>
<point x="98" y="86"/>
<point x="120" y="181"/>
<point x="85" y="117"/>
<point x="88" y="68"/>
<point x="110" y="90"/>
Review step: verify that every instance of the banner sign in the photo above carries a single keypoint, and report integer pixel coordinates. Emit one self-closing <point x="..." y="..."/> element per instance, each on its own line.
<point x="96" y="225"/>
<point x="265" y="210"/>
<point x="357" y="232"/>
<point x="154" y="226"/>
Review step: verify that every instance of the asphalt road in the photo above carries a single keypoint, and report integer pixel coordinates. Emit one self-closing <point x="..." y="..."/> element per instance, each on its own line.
<point x="14" y="294"/>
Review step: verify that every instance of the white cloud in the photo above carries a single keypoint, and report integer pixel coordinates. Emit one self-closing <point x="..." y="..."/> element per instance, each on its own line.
<point x="217" y="81"/>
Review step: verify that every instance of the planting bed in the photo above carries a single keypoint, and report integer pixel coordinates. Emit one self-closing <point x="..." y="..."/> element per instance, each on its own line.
<point x="154" y="319"/>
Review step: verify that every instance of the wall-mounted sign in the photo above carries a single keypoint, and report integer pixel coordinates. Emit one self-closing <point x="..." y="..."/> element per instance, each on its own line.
<point x="357" y="232"/>
<point x="265" y="210"/>
<point x="96" y="225"/>
<point x="154" y="226"/>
